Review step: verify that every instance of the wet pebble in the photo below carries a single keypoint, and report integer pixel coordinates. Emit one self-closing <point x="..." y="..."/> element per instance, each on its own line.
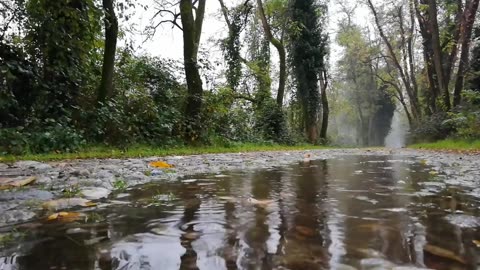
<point x="28" y="194"/>
<point x="33" y="165"/>
<point x="13" y="216"/>
<point x="94" y="193"/>
<point x="463" y="221"/>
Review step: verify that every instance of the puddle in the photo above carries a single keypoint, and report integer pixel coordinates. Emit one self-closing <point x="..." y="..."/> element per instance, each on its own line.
<point x="357" y="212"/>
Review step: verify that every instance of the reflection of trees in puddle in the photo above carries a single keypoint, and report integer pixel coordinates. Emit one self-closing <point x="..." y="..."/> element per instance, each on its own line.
<point x="371" y="230"/>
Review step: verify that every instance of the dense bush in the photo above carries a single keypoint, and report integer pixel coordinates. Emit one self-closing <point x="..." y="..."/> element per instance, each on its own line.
<point x="432" y="128"/>
<point x="462" y="123"/>
<point x="41" y="137"/>
<point x="466" y="119"/>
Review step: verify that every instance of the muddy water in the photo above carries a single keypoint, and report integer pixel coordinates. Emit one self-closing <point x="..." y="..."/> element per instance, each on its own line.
<point x="354" y="212"/>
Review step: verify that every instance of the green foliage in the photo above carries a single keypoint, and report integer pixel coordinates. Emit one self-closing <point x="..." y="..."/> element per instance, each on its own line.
<point x="466" y="120"/>
<point x="271" y="123"/>
<point x="231" y="45"/>
<point x="433" y="128"/>
<point x="450" y="144"/>
<point x="13" y="141"/>
<point x="120" y="185"/>
<point x="309" y="51"/>
<point x="41" y="137"/>
<point x="60" y="36"/>
<point x="71" y="191"/>
<point x="463" y="123"/>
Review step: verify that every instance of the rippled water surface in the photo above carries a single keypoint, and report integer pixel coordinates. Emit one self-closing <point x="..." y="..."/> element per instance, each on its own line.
<point x="355" y="212"/>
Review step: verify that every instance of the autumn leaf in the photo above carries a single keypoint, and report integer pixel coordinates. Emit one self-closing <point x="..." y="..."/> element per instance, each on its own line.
<point x="67" y="203"/>
<point x="476" y="242"/>
<point x="160" y="164"/>
<point x="64" y="216"/>
<point x="6" y="183"/>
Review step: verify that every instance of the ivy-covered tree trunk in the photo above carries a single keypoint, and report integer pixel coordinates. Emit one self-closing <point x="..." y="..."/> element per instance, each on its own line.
<point x="192" y="29"/>
<point x="61" y="38"/>
<point x="282" y="54"/>
<point x="308" y="52"/>
<point x="111" y="34"/>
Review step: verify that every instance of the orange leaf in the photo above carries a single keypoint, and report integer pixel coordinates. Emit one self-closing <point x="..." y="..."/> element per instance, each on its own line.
<point x="160" y="164"/>
<point x="64" y="216"/>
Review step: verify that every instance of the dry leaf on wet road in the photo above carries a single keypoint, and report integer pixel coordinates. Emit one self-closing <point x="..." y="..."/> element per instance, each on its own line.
<point x="67" y="203"/>
<point x="161" y="164"/>
<point x="6" y="183"/>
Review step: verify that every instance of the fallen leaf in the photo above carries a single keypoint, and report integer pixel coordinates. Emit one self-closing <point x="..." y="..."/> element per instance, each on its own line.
<point x="64" y="216"/>
<point x="305" y="231"/>
<point x="476" y="242"/>
<point x="160" y="164"/>
<point x="6" y="183"/>
<point x="444" y="253"/>
<point x="67" y="203"/>
<point x="433" y="172"/>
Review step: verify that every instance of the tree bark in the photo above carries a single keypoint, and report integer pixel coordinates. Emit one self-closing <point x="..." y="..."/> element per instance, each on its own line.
<point x="111" y="35"/>
<point x="466" y="37"/>
<point x="281" y="53"/>
<point x="437" y="53"/>
<point x="325" y="106"/>
<point x="192" y="28"/>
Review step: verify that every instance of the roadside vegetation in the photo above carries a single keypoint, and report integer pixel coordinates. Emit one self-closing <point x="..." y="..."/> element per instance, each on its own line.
<point x="450" y="145"/>
<point x="149" y="151"/>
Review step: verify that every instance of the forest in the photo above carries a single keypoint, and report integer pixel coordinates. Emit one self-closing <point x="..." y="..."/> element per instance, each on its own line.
<point x="291" y="72"/>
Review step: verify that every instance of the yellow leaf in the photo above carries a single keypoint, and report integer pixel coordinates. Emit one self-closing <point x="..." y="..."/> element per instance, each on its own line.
<point x="433" y="172"/>
<point x="6" y="183"/>
<point x="90" y="204"/>
<point x="67" y="203"/>
<point x="160" y="164"/>
<point x="476" y="242"/>
<point x="64" y="216"/>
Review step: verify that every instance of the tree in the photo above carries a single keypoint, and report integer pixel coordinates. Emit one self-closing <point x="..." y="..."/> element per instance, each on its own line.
<point x="111" y="34"/>
<point x="309" y="49"/>
<point x="402" y="59"/>
<point x="191" y="27"/>
<point x="61" y="37"/>
<point x="192" y="30"/>
<point x="445" y="27"/>
<point x="360" y="74"/>
<point x="282" y="54"/>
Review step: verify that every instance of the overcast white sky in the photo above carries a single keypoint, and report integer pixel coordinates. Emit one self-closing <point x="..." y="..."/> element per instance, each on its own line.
<point x="168" y="41"/>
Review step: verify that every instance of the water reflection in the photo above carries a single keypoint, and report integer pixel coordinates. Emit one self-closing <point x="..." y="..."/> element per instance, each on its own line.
<point x="357" y="212"/>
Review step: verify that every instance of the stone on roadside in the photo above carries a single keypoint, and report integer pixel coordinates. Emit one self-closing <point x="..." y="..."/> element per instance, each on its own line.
<point x="33" y="165"/>
<point x="94" y="193"/>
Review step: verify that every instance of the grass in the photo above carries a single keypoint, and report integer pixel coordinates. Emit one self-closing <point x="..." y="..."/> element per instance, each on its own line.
<point x="103" y="152"/>
<point x="450" y="144"/>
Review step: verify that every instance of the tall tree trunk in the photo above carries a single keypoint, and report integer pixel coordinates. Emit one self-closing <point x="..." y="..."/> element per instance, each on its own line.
<point x="111" y="34"/>
<point x="325" y="107"/>
<point x="281" y="53"/>
<point x="192" y="29"/>
<point x="437" y="53"/>
<point x="466" y="37"/>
